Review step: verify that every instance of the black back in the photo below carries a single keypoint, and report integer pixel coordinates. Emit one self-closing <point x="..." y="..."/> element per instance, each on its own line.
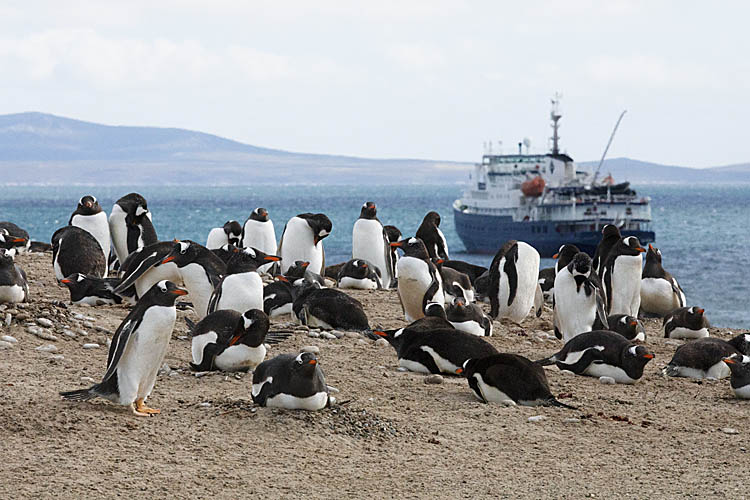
<point x="81" y="286"/>
<point x="77" y="251"/>
<point x="702" y="354"/>
<point x="336" y="308"/>
<point x="610" y="236"/>
<point x="189" y="252"/>
<point x="297" y="375"/>
<point x="470" y="270"/>
<point x="692" y="318"/>
<point x="320" y="225"/>
<point x="516" y="376"/>
<point x="360" y="269"/>
<point x="509" y="251"/>
<point x="428" y="233"/>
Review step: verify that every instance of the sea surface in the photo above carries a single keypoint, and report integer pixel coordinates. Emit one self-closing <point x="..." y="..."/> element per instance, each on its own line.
<point x="702" y="231"/>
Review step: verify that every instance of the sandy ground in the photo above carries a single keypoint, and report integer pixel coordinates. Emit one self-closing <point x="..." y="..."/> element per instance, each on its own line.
<point x="392" y="435"/>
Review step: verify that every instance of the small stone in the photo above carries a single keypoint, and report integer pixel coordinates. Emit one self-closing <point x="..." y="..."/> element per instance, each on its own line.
<point x="182" y="337"/>
<point x="35" y="330"/>
<point x="303" y="328"/>
<point x="381" y="342"/>
<point x="606" y="380"/>
<point x="90" y="346"/>
<point x="8" y="319"/>
<point x="165" y="369"/>
<point x="672" y="342"/>
<point x="310" y="348"/>
<point x="69" y="333"/>
<point x="537" y="418"/>
<point x="566" y="372"/>
<point x="572" y="420"/>
<point x="200" y="374"/>
<point x="267" y="346"/>
<point x="402" y="369"/>
<point x="362" y="342"/>
<point x="22" y="305"/>
<point x="101" y="339"/>
<point x="332" y="389"/>
<point x="729" y="430"/>
<point x="313" y="334"/>
<point x="46" y="323"/>
<point x="79" y="316"/>
<point x="433" y="379"/>
<point x="328" y="336"/>
<point x="173" y="373"/>
<point x="88" y="324"/>
<point x="205" y="405"/>
<point x="351" y="335"/>
<point x="46" y="348"/>
<point x="22" y="317"/>
<point x="57" y="357"/>
<point x="8" y="338"/>
<point x="337" y="333"/>
<point x="88" y="380"/>
<point x="82" y="332"/>
<point x="5" y="345"/>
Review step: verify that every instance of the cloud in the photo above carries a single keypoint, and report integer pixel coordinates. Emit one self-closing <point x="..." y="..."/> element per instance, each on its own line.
<point x="649" y="72"/>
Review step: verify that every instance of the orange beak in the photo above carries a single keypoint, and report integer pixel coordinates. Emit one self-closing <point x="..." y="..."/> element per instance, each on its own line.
<point x="459" y="371"/>
<point x="282" y="278"/>
<point x="700" y="311"/>
<point x="305" y="264"/>
<point x="65" y="281"/>
<point x="19" y="240"/>
<point x="729" y="361"/>
<point x="633" y="323"/>
<point x="641" y="249"/>
<point x="440" y="261"/>
<point x="648" y="356"/>
<point x="168" y="259"/>
<point x="650" y="247"/>
<point x="313" y="362"/>
<point x="180" y="291"/>
<point x="380" y="333"/>
<point x="397" y="244"/>
<point x="556" y="256"/>
<point x="272" y="258"/>
<point x="235" y="339"/>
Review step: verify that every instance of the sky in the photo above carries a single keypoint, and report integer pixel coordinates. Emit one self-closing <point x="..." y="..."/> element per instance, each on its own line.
<point x="395" y="79"/>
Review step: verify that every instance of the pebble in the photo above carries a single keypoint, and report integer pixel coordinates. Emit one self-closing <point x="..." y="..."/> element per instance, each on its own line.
<point x="57" y="357"/>
<point x="200" y="374"/>
<point x="46" y="348"/>
<point x="572" y="420"/>
<point x="22" y="317"/>
<point x="165" y="369"/>
<point x="672" y="342"/>
<point x="5" y="345"/>
<point x="337" y="333"/>
<point x="79" y="316"/>
<point x="205" y="405"/>
<point x="8" y="338"/>
<point x="537" y="418"/>
<point x="8" y="319"/>
<point x="606" y="380"/>
<point x="69" y="333"/>
<point x="173" y="373"/>
<point x="35" y="330"/>
<point x="729" y="430"/>
<point x="402" y="369"/>
<point x="22" y="305"/>
<point x="88" y="380"/>
<point x="182" y="337"/>
<point x="267" y="346"/>
<point x="351" y="335"/>
<point x="88" y="324"/>
<point x="46" y="323"/>
<point x="362" y="342"/>
<point x="433" y="379"/>
<point x="91" y="346"/>
<point x="328" y="336"/>
<point x="81" y="332"/>
<point x="567" y="372"/>
<point x="310" y="348"/>
<point x="313" y="334"/>
<point x="303" y="328"/>
<point x="381" y="342"/>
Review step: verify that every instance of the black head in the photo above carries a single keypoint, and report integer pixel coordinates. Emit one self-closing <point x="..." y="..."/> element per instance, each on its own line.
<point x="369" y="211"/>
<point x="628" y="324"/>
<point x="75" y="280"/>
<point x="610" y="231"/>
<point x="185" y="252"/>
<point x="581" y="264"/>
<point x="226" y="252"/>
<point x="467" y="370"/>
<point x="695" y="317"/>
<point x="630" y="246"/>
<point x="739" y="366"/>
<point x="432" y="218"/>
<point x="435" y="310"/>
<point x="392" y="233"/>
<point x="437" y="261"/>
<point x="133" y="204"/>
<point x="6" y="257"/>
<point x="88" y="206"/>
<point x="260" y="214"/>
<point x="251" y="329"/>
<point x="482" y="284"/>
<point x="638" y="355"/>
<point x="233" y="230"/>
<point x="163" y="293"/>
<point x="248" y="259"/>
<point x="9" y="241"/>
<point x="305" y="364"/>
<point x="320" y="225"/>
<point x="742" y="343"/>
<point x="297" y="270"/>
<point x="653" y="254"/>
<point x="412" y="247"/>
<point x="565" y="255"/>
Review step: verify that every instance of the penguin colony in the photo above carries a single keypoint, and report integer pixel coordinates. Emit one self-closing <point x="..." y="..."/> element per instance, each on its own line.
<point x="241" y="278"/>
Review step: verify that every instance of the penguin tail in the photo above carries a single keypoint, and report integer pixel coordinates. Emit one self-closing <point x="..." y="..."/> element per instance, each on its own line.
<point x="670" y="371"/>
<point x="276" y="337"/>
<point x="547" y="361"/>
<point x="190" y="324"/>
<point x="79" y="395"/>
<point x="554" y="402"/>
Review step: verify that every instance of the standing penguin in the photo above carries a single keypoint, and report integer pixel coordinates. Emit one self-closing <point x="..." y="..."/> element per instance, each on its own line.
<point x="75" y="250"/>
<point x="13" y="284"/>
<point x="660" y="292"/>
<point x="419" y="281"/>
<point x="610" y="237"/>
<point x="14" y="238"/>
<point x="370" y="242"/>
<point x="241" y="288"/>
<point x="513" y="281"/>
<point x="469" y="318"/>
<point x="302" y="240"/>
<point x="229" y="341"/>
<point x="578" y="299"/>
<point x="564" y="256"/>
<point x="394" y="235"/>
<point x="137" y="351"/>
<point x="621" y="276"/>
<point x="130" y="226"/>
<point x="90" y="216"/>
<point x="686" y="323"/>
<point x="509" y="379"/>
<point x="258" y="232"/>
<point x="359" y="274"/>
<point x="291" y="382"/>
<point x="434" y="240"/>
<point x="230" y="232"/>
<point x="740" y="381"/>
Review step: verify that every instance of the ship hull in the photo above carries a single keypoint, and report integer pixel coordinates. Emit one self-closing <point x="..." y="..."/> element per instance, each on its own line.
<point x="485" y="234"/>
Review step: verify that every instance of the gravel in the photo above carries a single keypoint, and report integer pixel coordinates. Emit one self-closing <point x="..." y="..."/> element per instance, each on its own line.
<point x="433" y="379"/>
<point x="310" y="348"/>
<point x="90" y="346"/>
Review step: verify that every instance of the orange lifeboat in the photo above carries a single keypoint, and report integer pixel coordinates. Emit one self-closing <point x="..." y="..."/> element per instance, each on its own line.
<point x="533" y="188"/>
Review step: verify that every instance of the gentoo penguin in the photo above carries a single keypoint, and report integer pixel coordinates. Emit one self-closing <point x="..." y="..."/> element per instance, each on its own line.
<point x="513" y="281"/>
<point x="230" y="341"/>
<point x="90" y="216"/>
<point x="299" y="273"/>
<point x="370" y="243"/>
<point x="75" y="250"/>
<point x="621" y="277"/>
<point x="277" y="297"/>
<point x="434" y="240"/>
<point x="91" y="290"/>
<point x="470" y="270"/>
<point x="241" y="288"/>
<point x="564" y="255"/>
<point x="629" y="327"/>
<point x="13" y="284"/>
<point x="137" y="351"/>
<point x="686" y="323"/>
<point x="703" y="358"/>
<point x="482" y="287"/>
<point x="328" y="308"/>
<point x="610" y="237"/>
<point x="469" y="318"/>
<point x="434" y="319"/>
<point x="302" y="240"/>
<point x="419" y="281"/>
<point x="130" y="226"/>
<point x="225" y="252"/>
<point x="360" y="274"/>
<point x="509" y="379"/>
<point x="547" y="282"/>
<point x="578" y="300"/>
<point x="14" y="238"/>
<point x="602" y="353"/>
<point x="660" y="292"/>
<point x="258" y="232"/>
<point x="435" y="351"/>
<point x="142" y="269"/>
<point x="231" y="232"/>
<point x="394" y="235"/>
<point x="291" y="382"/>
<point x="740" y="381"/>
<point x="456" y="285"/>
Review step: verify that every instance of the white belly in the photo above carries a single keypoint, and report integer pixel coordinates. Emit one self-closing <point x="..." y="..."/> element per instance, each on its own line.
<point x="298" y="245"/>
<point x="261" y="235"/>
<point x="139" y="364"/>
<point x="412" y="366"/>
<point x="94" y="301"/>
<point x="368" y="244"/>
<point x="626" y="285"/>
<point x="413" y="282"/>
<point x="605" y="370"/>
<point x="718" y="371"/>
<point x="241" y="292"/>
<point x="217" y="238"/>
<point x="658" y="297"/>
<point x="199" y="343"/>
<point x="357" y="283"/>
<point x="527" y="269"/>
<point x="686" y="333"/>
<point x="12" y="293"/>
<point x="574" y="311"/>
<point x="240" y="357"/>
<point x="199" y="288"/>
<point x="119" y="232"/>
<point x="742" y="392"/>
<point x="471" y="327"/>
<point x="444" y="365"/>
<point x="312" y="403"/>
<point x="492" y="394"/>
<point x="98" y="227"/>
<point x="56" y="265"/>
<point x="280" y="311"/>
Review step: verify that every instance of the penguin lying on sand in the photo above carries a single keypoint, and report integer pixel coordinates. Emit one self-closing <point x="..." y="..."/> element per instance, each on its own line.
<point x="359" y="274"/>
<point x="294" y="382"/>
<point x="91" y="290"/>
<point x="469" y="318"/>
<point x="686" y="323"/>
<point x="328" y="308"/>
<point x="703" y="358"/>
<point x="740" y="381"/>
<point x="13" y="284"/>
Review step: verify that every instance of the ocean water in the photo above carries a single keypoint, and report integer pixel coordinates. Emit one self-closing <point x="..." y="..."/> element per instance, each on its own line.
<point x="702" y="231"/>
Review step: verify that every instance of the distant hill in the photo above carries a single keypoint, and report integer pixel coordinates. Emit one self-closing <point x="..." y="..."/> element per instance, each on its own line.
<point x="38" y="148"/>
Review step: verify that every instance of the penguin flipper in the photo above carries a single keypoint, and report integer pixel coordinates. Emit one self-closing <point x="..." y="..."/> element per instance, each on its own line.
<point x="511" y="257"/>
<point x="607" y="279"/>
<point x="190" y="324"/>
<point x="678" y="291"/>
<point x="147" y="263"/>
<point x="431" y="290"/>
<point x="538" y="300"/>
<point x="601" y="314"/>
<point x="120" y="341"/>
<point x="554" y="402"/>
<point x="213" y="302"/>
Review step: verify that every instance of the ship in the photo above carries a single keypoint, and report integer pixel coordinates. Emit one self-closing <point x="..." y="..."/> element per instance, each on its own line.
<point x="547" y="201"/>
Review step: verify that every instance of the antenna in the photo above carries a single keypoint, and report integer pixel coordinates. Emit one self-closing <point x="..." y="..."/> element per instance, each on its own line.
<point x="555" y="117"/>
<point x="527" y="143"/>
<point x="611" y="137"/>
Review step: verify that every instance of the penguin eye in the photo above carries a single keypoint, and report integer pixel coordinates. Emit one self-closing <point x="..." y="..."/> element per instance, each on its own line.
<point x="182" y="251"/>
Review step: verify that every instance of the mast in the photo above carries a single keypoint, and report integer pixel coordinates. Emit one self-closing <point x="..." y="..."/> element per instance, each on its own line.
<point x="611" y="137"/>
<point x="555" y="116"/>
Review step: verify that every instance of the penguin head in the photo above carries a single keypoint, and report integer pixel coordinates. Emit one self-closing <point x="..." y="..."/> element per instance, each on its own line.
<point x="233" y="230"/>
<point x="610" y="231"/>
<point x="9" y="241"/>
<point x="6" y="257"/>
<point x="297" y="270"/>
<point x="467" y="369"/>
<point x="482" y="284"/>
<point x="88" y="206"/>
<point x="435" y="309"/>
<point x="695" y="317"/>
<point x="73" y="280"/>
<point x="226" y="252"/>
<point x="438" y="262"/>
<point x="251" y="329"/>
<point x="392" y="336"/>
<point x="638" y="355"/>
<point x="630" y="245"/>
<point x="260" y="214"/>
<point x="392" y="233"/>
<point x="412" y="247"/>
<point x="183" y="253"/>
<point x="163" y="293"/>
<point x="320" y="225"/>
<point x="133" y="204"/>
<point x="580" y="265"/>
<point x="432" y="218"/>
<point x="631" y="325"/>
<point x="248" y="259"/>
<point x="565" y="255"/>
<point x="739" y="365"/>
<point x="305" y="364"/>
<point x="742" y="343"/>
<point x="369" y="211"/>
